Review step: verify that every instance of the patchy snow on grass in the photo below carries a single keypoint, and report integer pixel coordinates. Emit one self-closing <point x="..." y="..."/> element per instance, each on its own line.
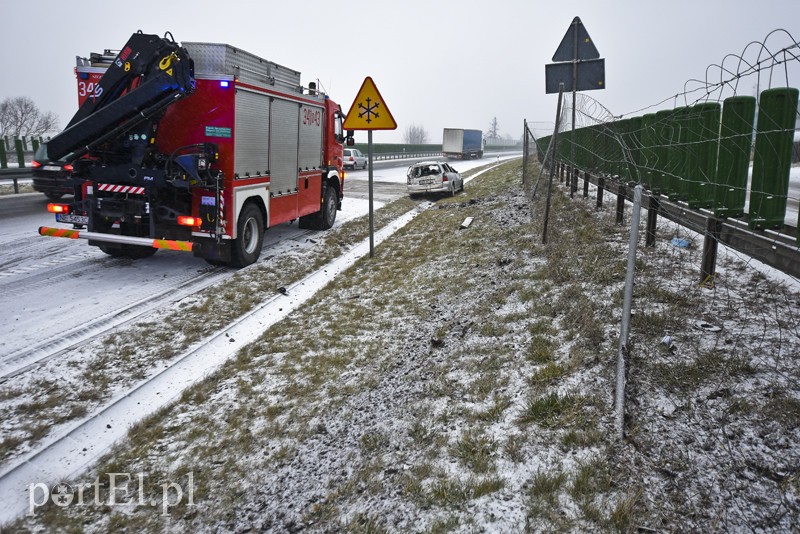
<point x="462" y="380"/>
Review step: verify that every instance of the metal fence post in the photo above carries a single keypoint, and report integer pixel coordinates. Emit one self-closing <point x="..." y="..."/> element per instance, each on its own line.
<point x="601" y="185"/>
<point x="525" y="151"/>
<point x="573" y="182"/>
<point x="621" y="204"/>
<point x="554" y="143"/>
<point x="710" y="245"/>
<point x="586" y="178"/>
<point x="626" y="313"/>
<point x="652" y="220"/>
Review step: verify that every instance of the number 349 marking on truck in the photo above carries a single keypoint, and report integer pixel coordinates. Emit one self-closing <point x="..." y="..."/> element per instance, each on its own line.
<point x="312" y="116"/>
<point x="89" y="89"/>
<point x="85" y="89"/>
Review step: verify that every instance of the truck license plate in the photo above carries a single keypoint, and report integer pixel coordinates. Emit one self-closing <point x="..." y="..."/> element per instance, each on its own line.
<point x="72" y="219"/>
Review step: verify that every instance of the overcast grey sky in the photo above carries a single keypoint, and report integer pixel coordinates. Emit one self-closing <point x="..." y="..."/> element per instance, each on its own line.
<point x="437" y="63"/>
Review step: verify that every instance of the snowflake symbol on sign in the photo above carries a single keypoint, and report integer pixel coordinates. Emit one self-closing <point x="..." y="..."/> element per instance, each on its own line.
<point x="369" y="110"/>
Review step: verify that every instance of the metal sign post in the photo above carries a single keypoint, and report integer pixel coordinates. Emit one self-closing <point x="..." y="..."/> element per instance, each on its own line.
<point x="579" y="68"/>
<point x="369" y="112"/>
<point x="552" y="149"/>
<point x="371" y="213"/>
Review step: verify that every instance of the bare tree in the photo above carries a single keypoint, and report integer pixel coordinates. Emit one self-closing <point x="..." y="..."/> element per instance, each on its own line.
<point x="494" y="130"/>
<point x="415" y="135"/>
<point x="19" y="116"/>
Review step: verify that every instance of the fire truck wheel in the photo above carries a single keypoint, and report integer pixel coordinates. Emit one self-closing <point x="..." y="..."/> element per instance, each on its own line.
<point x="326" y="216"/>
<point x="329" y="208"/>
<point x="247" y="247"/>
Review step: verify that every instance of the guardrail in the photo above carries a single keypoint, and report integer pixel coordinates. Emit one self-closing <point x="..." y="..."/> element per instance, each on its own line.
<point x="711" y="167"/>
<point x="404" y="155"/>
<point x="14" y="175"/>
<point x="414" y="155"/>
<point x="775" y="247"/>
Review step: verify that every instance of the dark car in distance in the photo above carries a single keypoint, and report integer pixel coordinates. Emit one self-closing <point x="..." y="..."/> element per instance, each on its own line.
<point x="51" y="177"/>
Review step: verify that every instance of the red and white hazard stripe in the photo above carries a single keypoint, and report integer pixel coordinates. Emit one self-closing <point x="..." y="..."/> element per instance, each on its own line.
<point x="121" y="189"/>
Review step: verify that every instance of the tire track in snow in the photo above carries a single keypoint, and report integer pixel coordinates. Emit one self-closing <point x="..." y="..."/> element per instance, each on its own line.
<point x="44" y="350"/>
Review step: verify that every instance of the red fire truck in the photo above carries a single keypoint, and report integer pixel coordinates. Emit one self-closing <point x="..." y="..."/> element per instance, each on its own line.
<point x="198" y="146"/>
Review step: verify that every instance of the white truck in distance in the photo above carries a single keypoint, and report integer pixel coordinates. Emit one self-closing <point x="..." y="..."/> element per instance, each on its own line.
<point x="462" y="144"/>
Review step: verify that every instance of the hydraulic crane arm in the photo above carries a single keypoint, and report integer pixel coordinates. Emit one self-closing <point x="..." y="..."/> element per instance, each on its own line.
<point x="149" y="74"/>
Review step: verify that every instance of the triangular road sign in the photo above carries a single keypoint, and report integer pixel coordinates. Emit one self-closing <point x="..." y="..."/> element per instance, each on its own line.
<point x="369" y="111"/>
<point x="586" y="49"/>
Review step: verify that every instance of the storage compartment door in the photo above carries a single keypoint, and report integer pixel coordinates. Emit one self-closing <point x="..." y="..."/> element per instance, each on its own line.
<point x="252" y="134"/>
<point x="283" y="149"/>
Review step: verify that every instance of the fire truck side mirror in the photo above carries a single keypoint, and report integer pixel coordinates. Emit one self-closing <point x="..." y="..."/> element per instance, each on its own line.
<point x="349" y="139"/>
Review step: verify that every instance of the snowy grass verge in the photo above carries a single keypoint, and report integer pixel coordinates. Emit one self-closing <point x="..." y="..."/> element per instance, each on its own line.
<point x="462" y="380"/>
<point x="44" y="401"/>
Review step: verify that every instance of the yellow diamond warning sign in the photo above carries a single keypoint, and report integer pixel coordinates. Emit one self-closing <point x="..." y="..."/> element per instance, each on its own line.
<point x="369" y="111"/>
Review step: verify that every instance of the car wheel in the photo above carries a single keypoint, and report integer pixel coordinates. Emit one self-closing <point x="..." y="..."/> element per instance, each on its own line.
<point x="52" y="195"/>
